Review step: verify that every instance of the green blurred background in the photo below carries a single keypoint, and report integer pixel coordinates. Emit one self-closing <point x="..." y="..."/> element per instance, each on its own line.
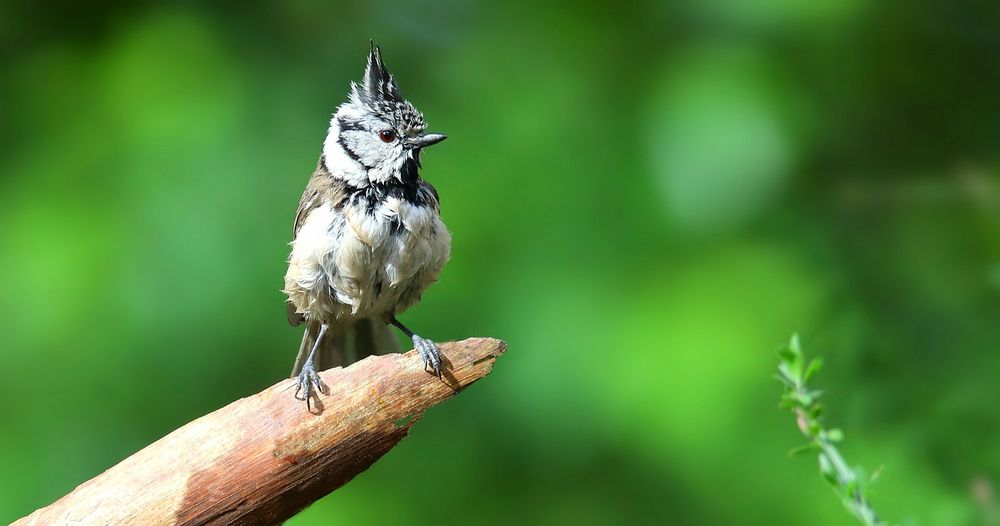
<point x="647" y="199"/>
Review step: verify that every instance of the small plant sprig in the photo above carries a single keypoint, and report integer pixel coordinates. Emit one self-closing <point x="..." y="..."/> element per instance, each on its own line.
<point x="851" y="484"/>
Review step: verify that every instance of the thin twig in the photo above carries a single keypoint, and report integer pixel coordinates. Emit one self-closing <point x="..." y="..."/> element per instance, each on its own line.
<point x="849" y="483"/>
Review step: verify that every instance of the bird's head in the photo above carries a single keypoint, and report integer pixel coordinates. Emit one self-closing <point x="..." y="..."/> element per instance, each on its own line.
<point x="377" y="135"/>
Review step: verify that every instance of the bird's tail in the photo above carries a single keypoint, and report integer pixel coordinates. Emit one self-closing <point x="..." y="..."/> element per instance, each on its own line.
<point x="366" y="337"/>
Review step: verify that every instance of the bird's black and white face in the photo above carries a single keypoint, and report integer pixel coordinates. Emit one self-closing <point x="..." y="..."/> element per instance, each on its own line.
<point x="377" y="136"/>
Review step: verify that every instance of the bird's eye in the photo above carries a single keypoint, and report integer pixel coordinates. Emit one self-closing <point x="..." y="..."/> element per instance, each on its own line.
<point x="387" y="135"/>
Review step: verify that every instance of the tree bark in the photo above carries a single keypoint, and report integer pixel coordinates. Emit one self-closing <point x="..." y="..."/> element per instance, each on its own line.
<point x="263" y="458"/>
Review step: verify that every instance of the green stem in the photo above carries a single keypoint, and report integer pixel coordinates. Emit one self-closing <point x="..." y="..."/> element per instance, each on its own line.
<point x="794" y="372"/>
<point x="846" y="478"/>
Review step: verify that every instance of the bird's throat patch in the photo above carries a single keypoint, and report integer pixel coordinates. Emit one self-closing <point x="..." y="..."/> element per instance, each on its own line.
<point x="408" y="173"/>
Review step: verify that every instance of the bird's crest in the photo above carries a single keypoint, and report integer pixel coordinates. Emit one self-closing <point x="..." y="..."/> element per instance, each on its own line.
<point x="380" y="94"/>
<point x="379" y="84"/>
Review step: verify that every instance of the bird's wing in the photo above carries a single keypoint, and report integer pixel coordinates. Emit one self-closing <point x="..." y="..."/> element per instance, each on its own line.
<point x="321" y="188"/>
<point x="307" y="203"/>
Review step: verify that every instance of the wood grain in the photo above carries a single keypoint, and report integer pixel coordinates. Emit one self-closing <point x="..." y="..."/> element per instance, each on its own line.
<point x="261" y="459"/>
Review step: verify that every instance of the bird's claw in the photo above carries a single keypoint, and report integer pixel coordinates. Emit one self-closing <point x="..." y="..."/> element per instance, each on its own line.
<point x="429" y="353"/>
<point x="305" y="382"/>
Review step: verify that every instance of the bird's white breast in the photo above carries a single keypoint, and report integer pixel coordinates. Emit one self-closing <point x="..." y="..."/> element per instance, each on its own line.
<point x="354" y="262"/>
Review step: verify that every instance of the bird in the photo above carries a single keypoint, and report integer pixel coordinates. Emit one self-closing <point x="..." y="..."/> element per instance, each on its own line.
<point x="368" y="238"/>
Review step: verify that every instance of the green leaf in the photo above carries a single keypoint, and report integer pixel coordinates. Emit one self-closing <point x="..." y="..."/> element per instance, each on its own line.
<point x="791" y="359"/>
<point x="814" y="428"/>
<point x="786" y="355"/>
<point x="804" y="448"/>
<point x="786" y="372"/>
<point x="834" y="435"/>
<point x="803" y="399"/>
<point x="793" y="344"/>
<point x="826" y="469"/>
<point x="852" y="489"/>
<point x="814" y="366"/>
<point x="875" y="476"/>
<point x="792" y="370"/>
<point x="784" y="379"/>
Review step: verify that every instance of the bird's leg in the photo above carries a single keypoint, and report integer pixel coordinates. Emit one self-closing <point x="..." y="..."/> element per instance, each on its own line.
<point x="428" y="351"/>
<point x="308" y="377"/>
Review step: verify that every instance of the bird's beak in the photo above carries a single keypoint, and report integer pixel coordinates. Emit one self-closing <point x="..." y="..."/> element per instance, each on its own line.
<point x="426" y="140"/>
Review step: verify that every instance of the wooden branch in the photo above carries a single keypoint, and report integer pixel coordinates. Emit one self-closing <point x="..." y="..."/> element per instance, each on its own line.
<point x="261" y="459"/>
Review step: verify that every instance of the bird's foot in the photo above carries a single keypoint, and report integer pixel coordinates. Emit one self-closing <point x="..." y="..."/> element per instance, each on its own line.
<point x="429" y="353"/>
<point x="306" y="381"/>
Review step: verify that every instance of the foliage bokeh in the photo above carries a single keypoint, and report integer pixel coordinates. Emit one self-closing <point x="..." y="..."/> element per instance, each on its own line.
<point x="646" y="199"/>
